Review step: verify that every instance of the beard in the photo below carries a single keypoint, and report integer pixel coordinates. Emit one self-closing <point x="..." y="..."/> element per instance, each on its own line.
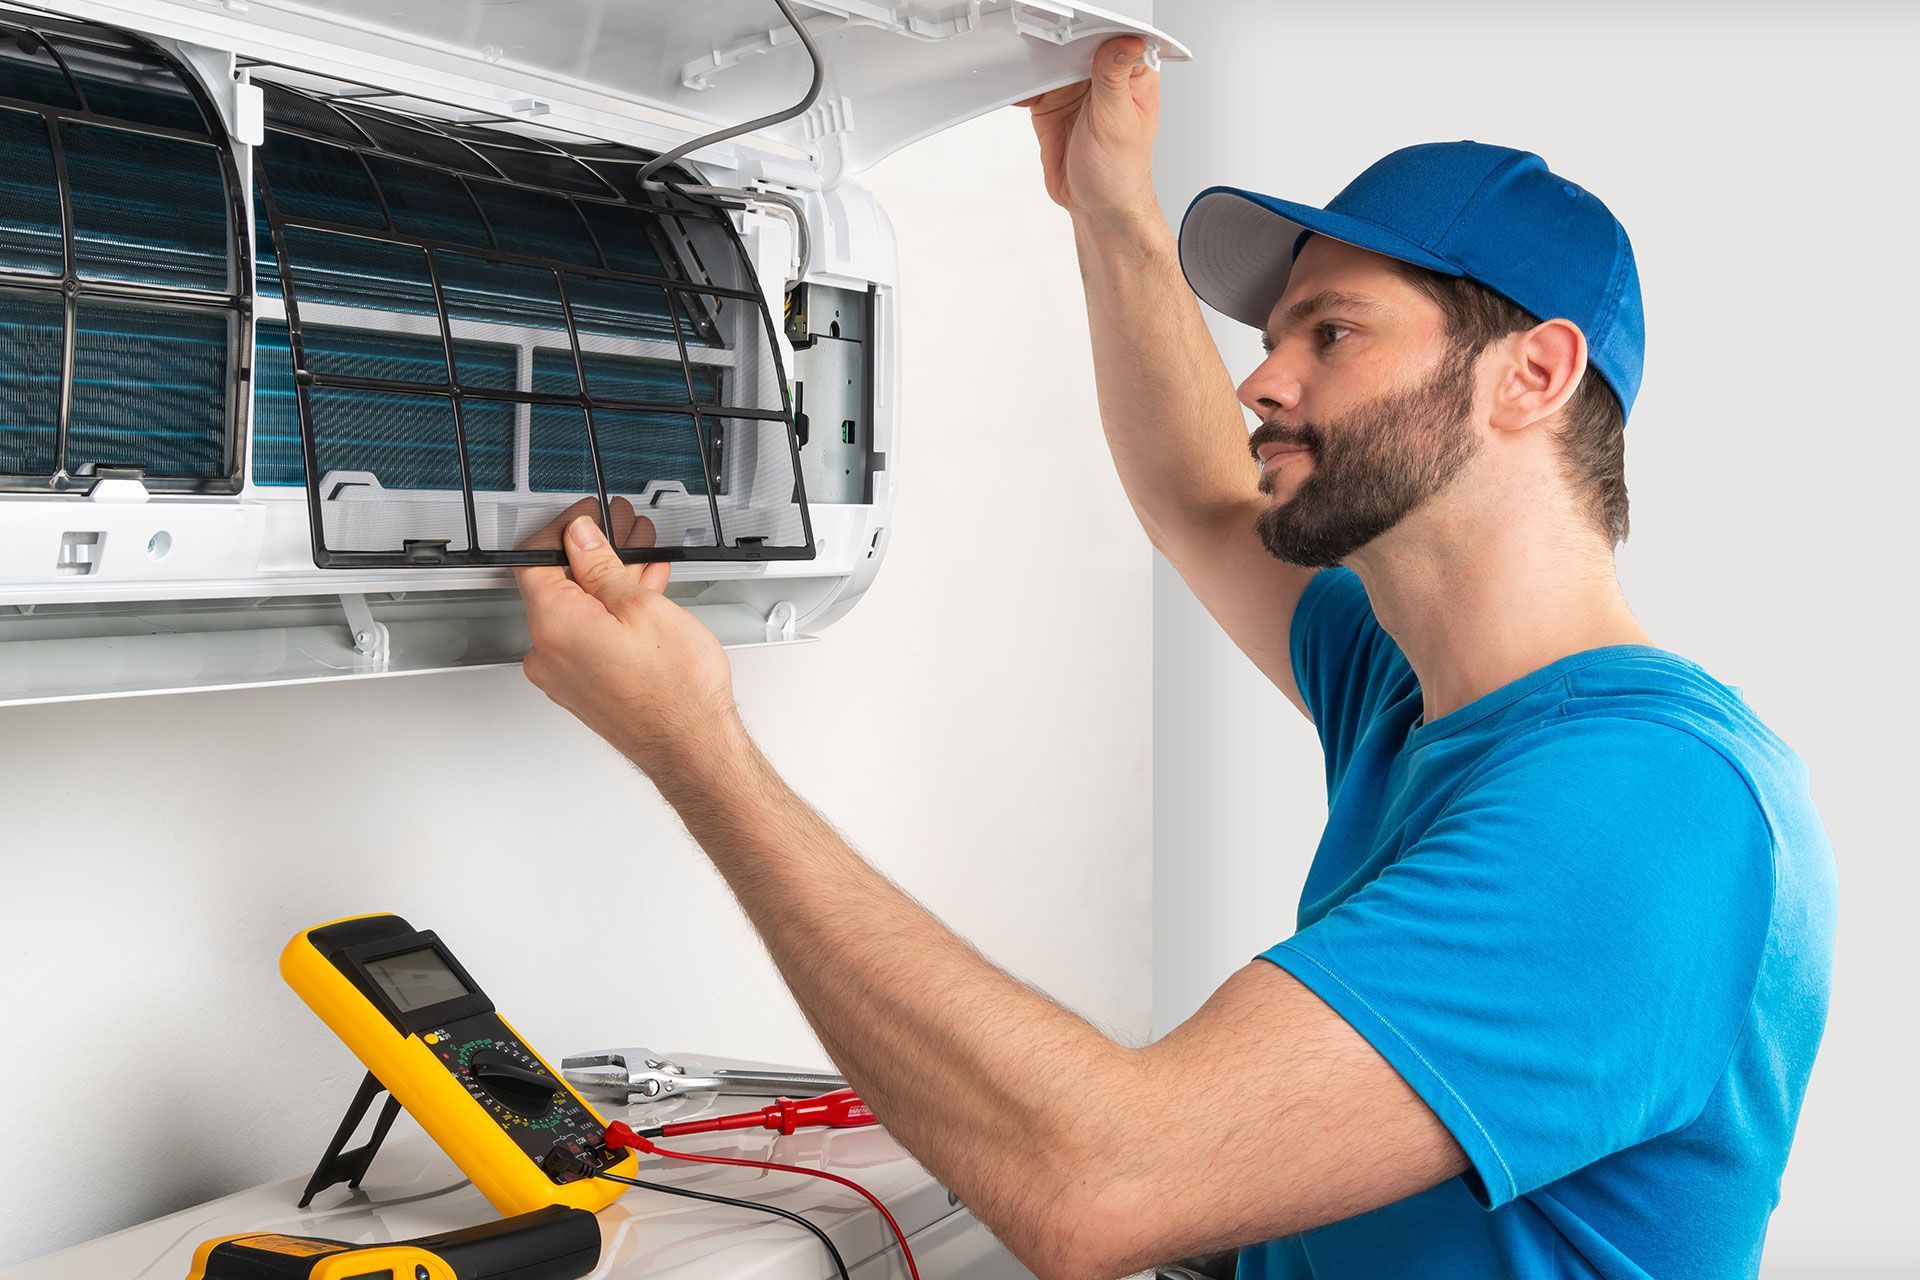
<point x="1371" y="466"/>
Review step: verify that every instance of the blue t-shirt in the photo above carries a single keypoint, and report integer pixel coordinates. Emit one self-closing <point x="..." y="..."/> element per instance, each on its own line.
<point x="1589" y="919"/>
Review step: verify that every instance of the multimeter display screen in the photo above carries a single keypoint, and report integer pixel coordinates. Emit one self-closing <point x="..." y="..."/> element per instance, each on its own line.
<point x="416" y="979"/>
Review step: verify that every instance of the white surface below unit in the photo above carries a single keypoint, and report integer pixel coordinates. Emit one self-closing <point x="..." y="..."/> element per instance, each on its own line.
<point x="412" y="1189"/>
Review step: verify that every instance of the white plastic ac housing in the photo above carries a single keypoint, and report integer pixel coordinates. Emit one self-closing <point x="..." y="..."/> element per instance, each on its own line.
<point x="120" y="591"/>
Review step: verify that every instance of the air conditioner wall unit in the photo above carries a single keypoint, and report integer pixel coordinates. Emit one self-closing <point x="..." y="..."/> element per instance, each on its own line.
<point x="403" y="248"/>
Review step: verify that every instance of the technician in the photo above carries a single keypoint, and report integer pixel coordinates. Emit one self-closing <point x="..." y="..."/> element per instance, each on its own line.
<point x="1562" y="958"/>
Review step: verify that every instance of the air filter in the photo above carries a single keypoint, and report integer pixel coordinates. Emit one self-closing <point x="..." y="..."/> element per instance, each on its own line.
<point x="489" y="333"/>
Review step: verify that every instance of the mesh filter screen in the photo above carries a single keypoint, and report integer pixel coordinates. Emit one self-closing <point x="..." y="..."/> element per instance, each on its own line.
<point x="559" y="455"/>
<point x="277" y="459"/>
<point x="487" y="301"/>
<point x="321" y="182"/>
<point x="535" y="224"/>
<point x="548" y="170"/>
<point x="628" y="238"/>
<point x="487" y="357"/>
<point x="149" y="389"/>
<point x="30" y="235"/>
<point x="390" y="471"/>
<point x="28" y="70"/>
<point x="736" y="354"/>
<point x="428" y="204"/>
<point x="309" y="115"/>
<point x="147" y="210"/>
<point x="120" y="311"/>
<point x="760" y="505"/>
<point x="130" y="83"/>
<point x="415" y="143"/>
<point x="644" y="453"/>
<point x="354" y="272"/>
<point x="32" y="333"/>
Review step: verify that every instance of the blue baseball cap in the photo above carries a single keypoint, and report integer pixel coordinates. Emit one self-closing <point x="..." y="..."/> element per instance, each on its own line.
<point x="1497" y="216"/>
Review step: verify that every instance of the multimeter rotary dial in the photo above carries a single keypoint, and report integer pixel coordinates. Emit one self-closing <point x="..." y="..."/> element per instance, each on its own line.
<point x="502" y="1074"/>
<point x="513" y="1080"/>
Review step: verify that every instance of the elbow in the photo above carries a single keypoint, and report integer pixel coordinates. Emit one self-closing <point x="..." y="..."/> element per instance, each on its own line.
<point x="1090" y="1229"/>
<point x="1082" y="1199"/>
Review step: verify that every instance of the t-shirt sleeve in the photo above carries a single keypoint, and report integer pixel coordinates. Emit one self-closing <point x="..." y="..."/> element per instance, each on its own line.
<point x="1561" y="965"/>
<point x="1345" y="664"/>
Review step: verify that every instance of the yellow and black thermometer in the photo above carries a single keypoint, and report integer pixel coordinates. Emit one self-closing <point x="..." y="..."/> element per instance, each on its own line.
<point x="432" y="1039"/>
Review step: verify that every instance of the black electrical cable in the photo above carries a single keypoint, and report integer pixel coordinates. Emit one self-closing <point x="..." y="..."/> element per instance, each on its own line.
<point x="839" y="1263"/>
<point x="733" y="131"/>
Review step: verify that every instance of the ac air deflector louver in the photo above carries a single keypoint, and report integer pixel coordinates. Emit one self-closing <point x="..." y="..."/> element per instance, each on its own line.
<point x="488" y="333"/>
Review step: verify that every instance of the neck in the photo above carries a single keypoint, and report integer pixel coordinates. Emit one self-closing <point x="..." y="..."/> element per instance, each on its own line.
<point x="1477" y="604"/>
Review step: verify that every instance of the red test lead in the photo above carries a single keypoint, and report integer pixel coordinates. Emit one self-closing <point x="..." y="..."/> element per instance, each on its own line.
<point x="783" y="1113"/>
<point x="841" y="1109"/>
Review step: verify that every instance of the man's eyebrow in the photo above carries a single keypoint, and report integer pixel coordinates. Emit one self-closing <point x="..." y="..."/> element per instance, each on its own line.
<point x="1325" y="300"/>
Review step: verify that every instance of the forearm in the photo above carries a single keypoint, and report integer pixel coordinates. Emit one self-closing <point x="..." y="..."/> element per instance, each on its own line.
<point x="1166" y="400"/>
<point x="983" y="1079"/>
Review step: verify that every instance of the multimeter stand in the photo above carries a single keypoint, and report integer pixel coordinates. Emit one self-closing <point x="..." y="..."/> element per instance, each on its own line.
<point x="338" y="1166"/>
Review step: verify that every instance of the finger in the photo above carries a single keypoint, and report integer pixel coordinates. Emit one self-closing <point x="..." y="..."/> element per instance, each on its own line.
<point x="653" y="577"/>
<point x="597" y="568"/>
<point x="547" y="537"/>
<point x="1115" y="62"/>
<point x="548" y="595"/>
<point x="1067" y="95"/>
<point x="1113" y="72"/>
<point x="537" y="583"/>
<point x="623" y="518"/>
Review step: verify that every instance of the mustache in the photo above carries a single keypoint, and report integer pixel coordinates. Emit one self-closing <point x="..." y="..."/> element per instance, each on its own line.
<point x="1304" y="434"/>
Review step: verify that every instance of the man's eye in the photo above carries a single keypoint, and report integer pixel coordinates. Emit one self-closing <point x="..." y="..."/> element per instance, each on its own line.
<point x="1331" y="333"/>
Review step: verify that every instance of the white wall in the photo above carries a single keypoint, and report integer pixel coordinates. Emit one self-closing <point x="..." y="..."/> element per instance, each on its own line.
<point x="983" y="732"/>
<point x="1761" y="157"/>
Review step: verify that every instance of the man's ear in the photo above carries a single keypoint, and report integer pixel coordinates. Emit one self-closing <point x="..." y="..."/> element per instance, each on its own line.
<point x="1543" y="369"/>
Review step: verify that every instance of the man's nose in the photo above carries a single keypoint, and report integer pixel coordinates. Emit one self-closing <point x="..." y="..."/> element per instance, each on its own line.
<point x="1270" y="390"/>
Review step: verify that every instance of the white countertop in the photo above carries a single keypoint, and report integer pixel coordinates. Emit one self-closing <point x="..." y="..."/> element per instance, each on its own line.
<point x="412" y="1189"/>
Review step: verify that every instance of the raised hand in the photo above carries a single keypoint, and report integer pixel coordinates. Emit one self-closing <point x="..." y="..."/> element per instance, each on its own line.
<point x="1096" y="137"/>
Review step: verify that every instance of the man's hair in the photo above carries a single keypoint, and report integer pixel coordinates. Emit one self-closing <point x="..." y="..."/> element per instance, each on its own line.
<point x="1593" y="439"/>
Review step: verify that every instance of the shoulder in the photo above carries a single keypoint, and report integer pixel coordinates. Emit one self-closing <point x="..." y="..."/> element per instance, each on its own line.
<point x="1647" y="762"/>
<point x="1661" y="701"/>
<point x="1637" y="811"/>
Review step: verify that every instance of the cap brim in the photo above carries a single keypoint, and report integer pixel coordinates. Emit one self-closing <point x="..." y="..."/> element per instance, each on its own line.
<point x="1237" y="248"/>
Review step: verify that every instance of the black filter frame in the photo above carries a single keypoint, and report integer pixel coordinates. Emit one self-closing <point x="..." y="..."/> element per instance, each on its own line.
<point x="71" y="287"/>
<point x="609" y="166"/>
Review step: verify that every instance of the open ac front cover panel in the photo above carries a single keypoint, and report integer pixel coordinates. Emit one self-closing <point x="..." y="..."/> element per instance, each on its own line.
<point x="315" y="318"/>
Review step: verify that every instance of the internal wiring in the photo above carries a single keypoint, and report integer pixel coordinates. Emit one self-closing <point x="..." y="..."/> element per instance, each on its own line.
<point x="839" y="1263"/>
<point x="779" y="117"/>
<point x="802" y="237"/>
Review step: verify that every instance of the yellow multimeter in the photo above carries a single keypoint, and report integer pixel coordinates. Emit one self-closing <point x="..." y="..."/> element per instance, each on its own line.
<point x="431" y="1038"/>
